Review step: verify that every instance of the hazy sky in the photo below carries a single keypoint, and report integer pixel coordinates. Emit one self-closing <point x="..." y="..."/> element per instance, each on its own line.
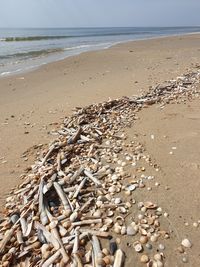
<point x="82" y="13"/>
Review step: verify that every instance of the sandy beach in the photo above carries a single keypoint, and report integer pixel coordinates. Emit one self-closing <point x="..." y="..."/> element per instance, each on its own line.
<point x="33" y="105"/>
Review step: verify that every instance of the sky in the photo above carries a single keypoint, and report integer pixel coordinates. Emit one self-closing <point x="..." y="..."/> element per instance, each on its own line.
<point x="99" y="13"/>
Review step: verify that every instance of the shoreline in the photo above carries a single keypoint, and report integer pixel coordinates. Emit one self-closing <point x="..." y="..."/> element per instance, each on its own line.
<point x="33" y="104"/>
<point x="37" y="67"/>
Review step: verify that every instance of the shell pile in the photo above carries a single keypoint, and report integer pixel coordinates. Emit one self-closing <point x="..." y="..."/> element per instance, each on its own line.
<point x="79" y="192"/>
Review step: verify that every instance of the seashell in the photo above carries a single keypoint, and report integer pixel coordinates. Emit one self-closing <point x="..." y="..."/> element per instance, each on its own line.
<point x="112" y="189"/>
<point x="186" y="243"/>
<point x="131" y="187"/>
<point x="153" y="238"/>
<point x="98" y="262"/>
<point x="159" y="264"/>
<point x="97" y="214"/>
<point x="117" y="229"/>
<point x="149" y="246"/>
<point x="180" y="249"/>
<point x="32" y="239"/>
<point x="151" y="263"/>
<point x="143" y="239"/>
<point x="108" y="260"/>
<point x="131" y="231"/>
<point x="67" y="212"/>
<point x="45" y="247"/>
<point x="128" y="205"/>
<point x="110" y="213"/>
<point x="150" y="205"/>
<point x="105" y="251"/>
<point x="157" y="257"/>
<point x="123" y="230"/>
<point x="108" y="221"/>
<point x="137" y="246"/>
<point x="150" y="220"/>
<point x="119" y="258"/>
<point x="143" y="231"/>
<point x="185" y="259"/>
<point x="127" y="192"/>
<point x="53" y="224"/>
<point x="159" y="209"/>
<point x="12" y="250"/>
<point x="122" y="210"/>
<point x="7" y="257"/>
<point x="140" y="216"/>
<point x="41" y="236"/>
<point x="14" y="218"/>
<point x="144" y="258"/>
<point x="99" y="203"/>
<point x="104" y="228"/>
<point x="117" y="200"/>
<point x="161" y="247"/>
<point x="62" y="230"/>
<point x="119" y="220"/>
<point x="73" y="216"/>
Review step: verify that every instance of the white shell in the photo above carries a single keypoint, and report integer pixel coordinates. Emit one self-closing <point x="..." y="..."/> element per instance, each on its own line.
<point x="186" y="243"/>
<point x="123" y="230"/>
<point x="137" y="246"/>
<point x="131" y="231"/>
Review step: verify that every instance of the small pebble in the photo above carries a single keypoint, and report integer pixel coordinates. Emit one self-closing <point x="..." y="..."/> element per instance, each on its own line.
<point x="157" y="257"/>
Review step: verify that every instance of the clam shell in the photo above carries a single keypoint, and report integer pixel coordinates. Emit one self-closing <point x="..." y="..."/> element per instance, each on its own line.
<point x="186" y="243"/>
<point x="32" y="239"/>
<point x="150" y="205"/>
<point x="131" y="231"/>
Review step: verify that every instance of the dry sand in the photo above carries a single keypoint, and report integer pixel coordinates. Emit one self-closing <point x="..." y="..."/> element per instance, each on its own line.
<point x="30" y="104"/>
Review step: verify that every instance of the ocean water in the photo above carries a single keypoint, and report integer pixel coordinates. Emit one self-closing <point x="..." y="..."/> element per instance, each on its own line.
<point x="25" y="49"/>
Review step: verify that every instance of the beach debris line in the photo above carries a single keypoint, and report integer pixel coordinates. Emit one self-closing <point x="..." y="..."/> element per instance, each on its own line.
<point x="76" y="204"/>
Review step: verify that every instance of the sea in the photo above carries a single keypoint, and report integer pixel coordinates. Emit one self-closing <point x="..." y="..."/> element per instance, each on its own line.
<point x="22" y="50"/>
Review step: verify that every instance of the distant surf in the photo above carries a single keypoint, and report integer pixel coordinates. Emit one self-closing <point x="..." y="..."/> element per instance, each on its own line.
<point x="24" y="49"/>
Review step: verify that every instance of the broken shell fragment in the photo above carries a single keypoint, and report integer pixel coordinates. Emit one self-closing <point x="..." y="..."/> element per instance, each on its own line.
<point x="137" y="246"/>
